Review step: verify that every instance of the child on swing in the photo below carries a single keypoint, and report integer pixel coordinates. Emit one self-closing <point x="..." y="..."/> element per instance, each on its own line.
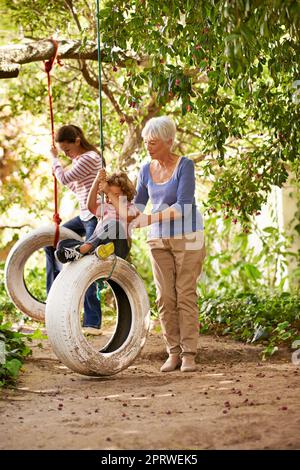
<point x="111" y="233"/>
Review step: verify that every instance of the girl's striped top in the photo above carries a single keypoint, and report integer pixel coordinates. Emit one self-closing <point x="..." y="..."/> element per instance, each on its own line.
<point x="79" y="178"/>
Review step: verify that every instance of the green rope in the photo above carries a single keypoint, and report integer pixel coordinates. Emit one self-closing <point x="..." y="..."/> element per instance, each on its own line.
<point x="100" y="287"/>
<point x="100" y="99"/>
<point x="100" y="79"/>
<point x="101" y="282"/>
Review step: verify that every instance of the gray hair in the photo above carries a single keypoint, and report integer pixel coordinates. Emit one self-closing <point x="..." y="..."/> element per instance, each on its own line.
<point x="161" y="127"/>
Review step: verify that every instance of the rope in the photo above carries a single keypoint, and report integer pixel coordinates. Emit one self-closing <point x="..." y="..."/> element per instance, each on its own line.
<point x="100" y="98"/>
<point x="100" y="282"/>
<point x="48" y="67"/>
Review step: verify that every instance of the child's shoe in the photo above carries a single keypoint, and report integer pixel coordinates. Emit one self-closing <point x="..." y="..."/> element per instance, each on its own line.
<point x="90" y="330"/>
<point x="104" y="251"/>
<point x="64" y="255"/>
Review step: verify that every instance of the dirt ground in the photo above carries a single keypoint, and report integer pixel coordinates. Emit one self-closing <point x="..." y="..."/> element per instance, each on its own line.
<point x="233" y="401"/>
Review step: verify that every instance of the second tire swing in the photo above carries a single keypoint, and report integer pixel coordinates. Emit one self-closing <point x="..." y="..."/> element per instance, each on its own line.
<point x="15" y="266"/>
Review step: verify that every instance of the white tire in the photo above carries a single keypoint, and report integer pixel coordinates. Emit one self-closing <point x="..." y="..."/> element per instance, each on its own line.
<point x="15" y="263"/>
<point x="63" y="308"/>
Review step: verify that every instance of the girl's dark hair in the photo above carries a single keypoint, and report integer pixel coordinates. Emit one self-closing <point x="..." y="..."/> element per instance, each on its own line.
<point x="70" y="133"/>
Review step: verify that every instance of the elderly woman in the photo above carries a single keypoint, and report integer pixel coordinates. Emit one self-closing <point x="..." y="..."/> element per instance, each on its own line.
<point x="176" y="240"/>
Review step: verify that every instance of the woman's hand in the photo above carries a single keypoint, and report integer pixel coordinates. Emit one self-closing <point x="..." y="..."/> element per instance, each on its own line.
<point x="142" y="220"/>
<point x="54" y="151"/>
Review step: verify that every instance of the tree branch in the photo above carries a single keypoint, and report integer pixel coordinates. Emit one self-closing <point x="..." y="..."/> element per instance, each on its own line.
<point x="9" y="70"/>
<point x="152" y="110"/>
<point x="115" y="104"/>
<point x="35" y="51"/>
<point x="14" y="227"/>
<point x="70" y="6"/>
<point x="87" y="75"/>
<point x="14" y="55"/>
<point x="186" y="131"/>
<point x="95" y="84"/>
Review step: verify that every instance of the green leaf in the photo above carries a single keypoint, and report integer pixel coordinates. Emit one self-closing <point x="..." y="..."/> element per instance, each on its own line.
<point x="252" y="271"/>
<point x="13" y="366"/>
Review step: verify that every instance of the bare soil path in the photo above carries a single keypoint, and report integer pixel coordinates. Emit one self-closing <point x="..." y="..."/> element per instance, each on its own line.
<point x="233" y="401"/>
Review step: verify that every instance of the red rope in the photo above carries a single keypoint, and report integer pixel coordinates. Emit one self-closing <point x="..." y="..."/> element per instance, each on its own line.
<point x="48" y="67"/>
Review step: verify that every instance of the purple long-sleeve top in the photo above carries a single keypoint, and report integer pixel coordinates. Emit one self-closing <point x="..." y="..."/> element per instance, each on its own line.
<point x="178" y="192"/>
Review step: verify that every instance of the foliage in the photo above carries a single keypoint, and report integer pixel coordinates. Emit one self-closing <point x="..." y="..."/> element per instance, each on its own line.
<point x="13" y="344"/>
<point x="7" y="308"/>
<point x="237" y="262"/>
<point x="272" y="319"/>
<point x="243" y="290"/>
<point x="36" y="283"/>
<point x="227" y="71"/>
<point x="13" y="350"/>
<point x="139" y="257"/>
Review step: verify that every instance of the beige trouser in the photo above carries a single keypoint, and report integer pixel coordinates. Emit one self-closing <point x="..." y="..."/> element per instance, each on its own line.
<point x="177" y="264"/>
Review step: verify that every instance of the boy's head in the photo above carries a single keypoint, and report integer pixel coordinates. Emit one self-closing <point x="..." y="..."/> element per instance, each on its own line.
<point x="120" y="180"/>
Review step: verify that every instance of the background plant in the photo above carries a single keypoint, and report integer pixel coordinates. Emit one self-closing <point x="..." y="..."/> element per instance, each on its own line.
<point x="274" y="320"/>
<point x="225" y="70"/>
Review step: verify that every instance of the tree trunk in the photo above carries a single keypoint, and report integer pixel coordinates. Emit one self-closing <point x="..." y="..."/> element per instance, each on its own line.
<point x="132" y="144"/>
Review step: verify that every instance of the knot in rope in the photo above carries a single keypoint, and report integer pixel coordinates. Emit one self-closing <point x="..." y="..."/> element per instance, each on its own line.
<point x="56" y="218"/>
<point x="48" y="64"/>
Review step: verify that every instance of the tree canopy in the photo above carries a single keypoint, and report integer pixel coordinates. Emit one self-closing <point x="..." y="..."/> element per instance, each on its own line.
<point x="228" y="71"/>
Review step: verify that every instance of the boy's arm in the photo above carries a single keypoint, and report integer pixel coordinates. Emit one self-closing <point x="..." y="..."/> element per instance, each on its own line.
<point x="92" y="197"/>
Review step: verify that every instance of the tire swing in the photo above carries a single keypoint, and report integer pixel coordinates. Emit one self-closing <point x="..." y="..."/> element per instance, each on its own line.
<point x="14" y="268"/>
<point x="63" y="316"/>
<point x="35" y="240"/>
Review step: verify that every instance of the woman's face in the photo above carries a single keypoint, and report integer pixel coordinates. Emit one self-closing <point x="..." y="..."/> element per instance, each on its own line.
<point x="70" y="149"/>
<point x="157" y="148"/>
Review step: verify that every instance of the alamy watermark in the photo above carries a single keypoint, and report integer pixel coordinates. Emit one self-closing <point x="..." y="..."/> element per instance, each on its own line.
<point x="296" y="94"/>
<point x="296" y="354"/>
<point x="2" y="352"/>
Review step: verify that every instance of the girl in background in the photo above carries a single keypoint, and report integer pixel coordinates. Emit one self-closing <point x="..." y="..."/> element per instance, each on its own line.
<point x="86" y="162"/>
